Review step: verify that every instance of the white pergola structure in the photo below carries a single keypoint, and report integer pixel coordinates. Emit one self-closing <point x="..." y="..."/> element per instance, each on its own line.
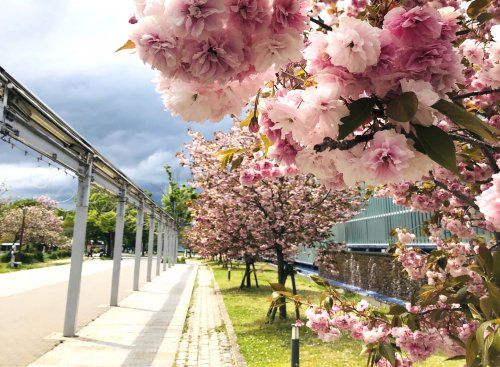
<point x="27" y="120"/>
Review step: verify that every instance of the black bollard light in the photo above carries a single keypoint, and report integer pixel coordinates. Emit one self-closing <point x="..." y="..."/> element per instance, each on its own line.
<point x="229" y="273"/>
<point x="295" y="346"/>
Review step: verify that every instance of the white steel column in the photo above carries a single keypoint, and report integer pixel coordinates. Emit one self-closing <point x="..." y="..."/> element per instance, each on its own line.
<point x="168" y="252"/>
<point x="159" y="246"/>
<point x="77" y="250"/>
<point x="170" y="246"/>
<point x="138" y="246"/>
<point x="165" y="245"/>
<point x="176" y="245"/>
<point x="117" y="251"/>
<point x="151" y="237"/>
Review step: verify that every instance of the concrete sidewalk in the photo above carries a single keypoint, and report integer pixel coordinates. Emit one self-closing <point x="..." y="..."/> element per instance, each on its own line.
<point x="143" y="331"/>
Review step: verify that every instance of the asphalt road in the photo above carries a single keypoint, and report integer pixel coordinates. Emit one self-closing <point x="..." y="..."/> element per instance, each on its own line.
<point x="29" y="318"/>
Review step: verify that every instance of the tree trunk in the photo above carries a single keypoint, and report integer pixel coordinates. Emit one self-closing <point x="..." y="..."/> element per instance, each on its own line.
<point x="281" y="278"/>
<point x="291" y="271"/>
<point x="247" y="270"/>
<point x="255" y="274"/>
<point x="247" y="276"/>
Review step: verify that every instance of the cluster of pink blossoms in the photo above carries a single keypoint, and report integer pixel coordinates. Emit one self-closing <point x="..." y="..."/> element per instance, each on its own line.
<point x="260" y="170"/>
<point x="418" y="345"/>
<point x="451" y="198"/>
<point x="459" y="256"/>
<point x="412" y="51"/>
<point x="489" y="202"/>
<point x="213" y="55"/>
<point x="47" y="201"/>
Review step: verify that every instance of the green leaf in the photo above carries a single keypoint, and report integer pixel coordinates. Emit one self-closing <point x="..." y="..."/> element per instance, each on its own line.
<point x="471" y="350"/>
<point x="328" y="303"/>
<point x="438" y="145"/>
<point x="359" y="111"/>
<point x="387" y="351"/>
<point x="320" y="281"/>
<point x="476" y="7"/>
<point x="278" y="287"/>
<point x="236" y="163"/>
<point x="487" y="259"/>
<point x="494" y="298"/>
<point x="465" y="119"/>
<point x="496" y="267"/>
<point x="397" y="310"/>
<point x="455" y="358"/>
<point x="403" y="108"/>
<point x="484" y="17"/>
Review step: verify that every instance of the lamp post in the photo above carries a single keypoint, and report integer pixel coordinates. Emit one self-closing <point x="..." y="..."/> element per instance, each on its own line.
<point x="295" y="346"/>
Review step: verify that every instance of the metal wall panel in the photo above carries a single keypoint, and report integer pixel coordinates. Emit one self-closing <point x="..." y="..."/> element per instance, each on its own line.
<point x="369" y="230"/>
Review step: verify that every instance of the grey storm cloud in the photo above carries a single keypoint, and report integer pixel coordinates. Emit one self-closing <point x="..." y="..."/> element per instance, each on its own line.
<point x="63" y="51"/>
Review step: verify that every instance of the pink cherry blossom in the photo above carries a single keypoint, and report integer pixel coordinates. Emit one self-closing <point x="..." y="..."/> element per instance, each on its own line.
<point x="354" y="45"/>
<point x="195" y="17"/>
<point x="156" y="45"/>
<point x="276" y="50"/>
<point x="215" y="58"/>
<point x="390" y="158"/>
<point x="489" y="202"/>
<point x="420" y="24"/>
<point x="289" y="15"/>
<point x="247" y="15"/>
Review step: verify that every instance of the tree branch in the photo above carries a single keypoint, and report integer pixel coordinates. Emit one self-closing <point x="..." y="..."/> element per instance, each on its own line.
<point x="474" y="94"/>
<point x="464" y="198"/>
<point x="321" y="24"/>
<point x="474" y="141"/>
<point x="329" y="143"/>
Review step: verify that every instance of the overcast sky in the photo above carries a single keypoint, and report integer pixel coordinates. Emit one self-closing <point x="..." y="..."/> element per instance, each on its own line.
<point x="63" y="51"/>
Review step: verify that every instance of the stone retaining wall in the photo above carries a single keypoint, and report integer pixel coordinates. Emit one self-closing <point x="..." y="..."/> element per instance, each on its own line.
<point x="377" y="272"/>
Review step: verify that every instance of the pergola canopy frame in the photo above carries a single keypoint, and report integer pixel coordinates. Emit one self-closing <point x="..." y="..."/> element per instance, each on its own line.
<point x="26" y="119"/>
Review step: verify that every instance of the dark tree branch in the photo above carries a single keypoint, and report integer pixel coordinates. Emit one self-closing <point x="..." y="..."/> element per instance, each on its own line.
<point x="321" y="24"/>
<point x="474" y="94"/>
<point x="491" y="159"/>
<point x="474" y="141"/>
<point x="329" y="143"/>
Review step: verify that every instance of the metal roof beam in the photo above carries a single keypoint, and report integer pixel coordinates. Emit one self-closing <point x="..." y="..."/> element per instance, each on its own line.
<point x="25" y="118"/>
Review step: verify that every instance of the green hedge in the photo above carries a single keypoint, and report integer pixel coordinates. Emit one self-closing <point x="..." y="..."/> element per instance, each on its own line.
<point x="37" y="256"/>
<point x="30" y="257"/>
<point x="59" y="254"/>
<point x="5" y="258"/>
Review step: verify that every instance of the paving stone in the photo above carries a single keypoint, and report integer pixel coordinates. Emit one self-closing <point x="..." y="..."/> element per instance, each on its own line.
<point x="205" y="343"/>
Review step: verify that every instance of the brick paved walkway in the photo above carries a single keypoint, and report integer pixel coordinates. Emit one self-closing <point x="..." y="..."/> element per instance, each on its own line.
<point x="205" y="342"/>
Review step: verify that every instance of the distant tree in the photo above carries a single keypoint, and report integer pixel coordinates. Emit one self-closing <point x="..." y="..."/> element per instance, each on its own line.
<point x="101" y="221"/>
<point x="32" y="221"/>
<point x="177" y="201"/>
<point x="178" y="198"/>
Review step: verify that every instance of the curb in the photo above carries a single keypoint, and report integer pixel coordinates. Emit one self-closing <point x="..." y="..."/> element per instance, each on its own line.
<point x="238" y="358"/>
<point x="168" y="355"/>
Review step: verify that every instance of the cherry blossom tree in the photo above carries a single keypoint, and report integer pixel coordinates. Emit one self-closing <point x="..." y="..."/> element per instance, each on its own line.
<point x="32" y="221"/>
<point x="271" y="218"/>
<point x="396" y="93"/>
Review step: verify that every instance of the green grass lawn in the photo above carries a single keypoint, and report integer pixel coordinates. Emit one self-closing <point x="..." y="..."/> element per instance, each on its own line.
<point x="5" y="268"/>
<point x="269" y="344"/>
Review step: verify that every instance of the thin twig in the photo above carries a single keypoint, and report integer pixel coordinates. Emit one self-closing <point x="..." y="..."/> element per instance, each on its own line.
<point x="464" y="198"/>
<point x="329" y="143"/>
<point x="474" y="141"/>
<point x="321" y="24"/>
<point x="474" y="94"/>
